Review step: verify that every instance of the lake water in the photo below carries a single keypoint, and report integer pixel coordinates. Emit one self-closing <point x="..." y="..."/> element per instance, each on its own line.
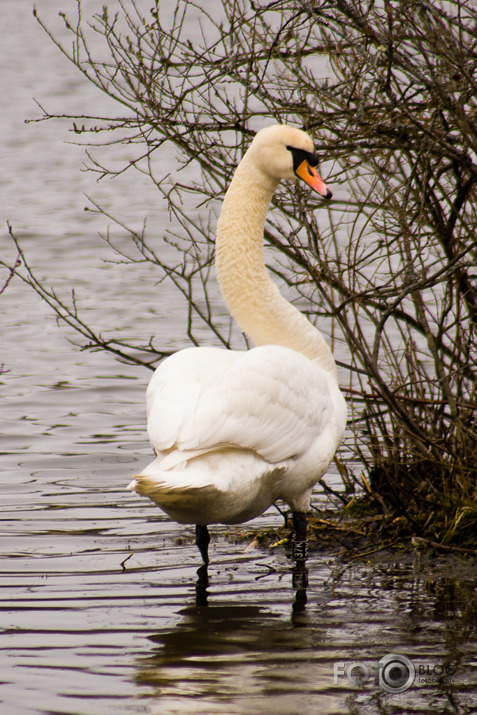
<point x="101" y="607"/>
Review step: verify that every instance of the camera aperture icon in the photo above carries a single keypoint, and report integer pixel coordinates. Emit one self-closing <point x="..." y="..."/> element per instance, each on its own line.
<point x="396" y="673"/>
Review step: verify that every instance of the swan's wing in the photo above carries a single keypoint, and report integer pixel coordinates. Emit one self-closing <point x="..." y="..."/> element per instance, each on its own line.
<point x="177" y="388"/>
<point x="271" y="400"/>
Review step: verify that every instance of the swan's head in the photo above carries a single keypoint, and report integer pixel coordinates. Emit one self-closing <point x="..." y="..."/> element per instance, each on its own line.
<point x="285" y="152"/>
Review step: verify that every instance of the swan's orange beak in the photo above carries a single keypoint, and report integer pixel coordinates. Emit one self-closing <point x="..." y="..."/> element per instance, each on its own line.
<point x="309" y="174"/>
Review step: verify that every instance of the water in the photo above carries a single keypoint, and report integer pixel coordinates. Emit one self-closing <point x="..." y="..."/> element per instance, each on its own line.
<point x="102" y="610"/>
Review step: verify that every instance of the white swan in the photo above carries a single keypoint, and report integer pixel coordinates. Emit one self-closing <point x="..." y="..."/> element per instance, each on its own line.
<point x="233" y="431"/>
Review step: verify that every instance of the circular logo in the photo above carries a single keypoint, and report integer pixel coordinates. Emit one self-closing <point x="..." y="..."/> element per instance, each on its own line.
<point x="396" y="673"/>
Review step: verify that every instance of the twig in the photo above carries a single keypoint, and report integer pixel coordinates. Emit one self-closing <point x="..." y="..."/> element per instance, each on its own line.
<point x="417" y="540"/>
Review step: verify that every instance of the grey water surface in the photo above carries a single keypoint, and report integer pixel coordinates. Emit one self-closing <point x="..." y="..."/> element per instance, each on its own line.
<point x="102" y="609"/>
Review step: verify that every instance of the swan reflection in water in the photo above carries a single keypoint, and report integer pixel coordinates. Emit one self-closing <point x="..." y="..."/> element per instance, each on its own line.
<point x="299" y="581"/>
<point x="233" y="656"/>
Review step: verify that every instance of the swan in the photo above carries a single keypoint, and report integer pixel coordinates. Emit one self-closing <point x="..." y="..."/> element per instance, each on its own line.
<point x="233" y="431"/>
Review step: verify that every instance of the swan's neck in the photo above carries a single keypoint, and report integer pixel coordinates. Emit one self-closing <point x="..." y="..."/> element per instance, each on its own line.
<point x="252" y="298"/>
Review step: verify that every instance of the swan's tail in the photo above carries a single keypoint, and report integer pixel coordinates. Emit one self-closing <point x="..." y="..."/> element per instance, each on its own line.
<point x="221" y="487"/>
<point x="177" y="497"/>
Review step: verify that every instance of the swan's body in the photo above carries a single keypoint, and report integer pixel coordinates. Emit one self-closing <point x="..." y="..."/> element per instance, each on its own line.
<point x="233" y="431"/>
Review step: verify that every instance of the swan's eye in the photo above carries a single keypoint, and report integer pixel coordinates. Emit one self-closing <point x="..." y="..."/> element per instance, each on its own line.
<point x="312" y="159"/>
<point x="300" y="155"/>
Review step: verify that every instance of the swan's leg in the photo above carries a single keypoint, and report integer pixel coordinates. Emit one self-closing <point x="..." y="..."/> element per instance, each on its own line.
<point x="299" y="543"/>
<point x="202" y="539"/>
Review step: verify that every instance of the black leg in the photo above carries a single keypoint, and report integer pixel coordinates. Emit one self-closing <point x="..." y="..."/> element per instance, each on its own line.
<point x="202" y="539"/>
<point x="299" y="543"/>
